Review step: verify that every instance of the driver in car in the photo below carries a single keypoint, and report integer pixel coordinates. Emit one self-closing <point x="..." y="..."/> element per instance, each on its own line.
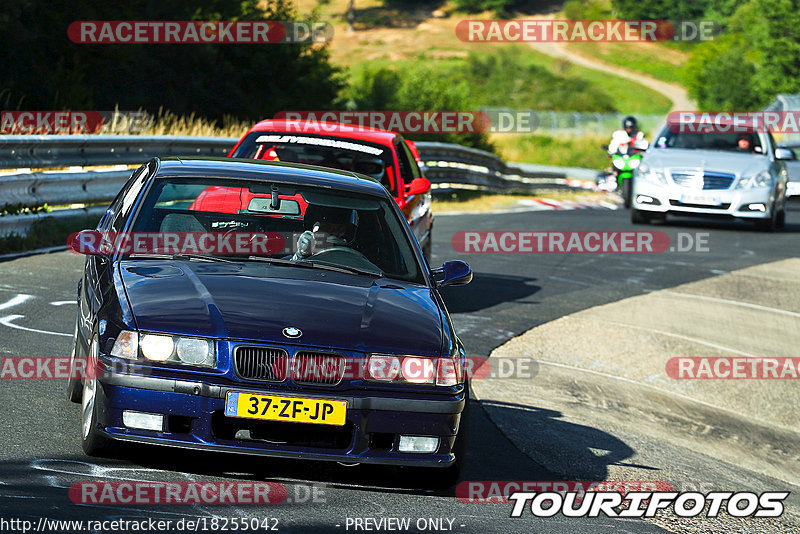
<point x="337" y="226"/>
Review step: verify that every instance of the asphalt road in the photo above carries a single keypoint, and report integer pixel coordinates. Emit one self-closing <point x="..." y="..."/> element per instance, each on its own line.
<point x="40" y="450"/>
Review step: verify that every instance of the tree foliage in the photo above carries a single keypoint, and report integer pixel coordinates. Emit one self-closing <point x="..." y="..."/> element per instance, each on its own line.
<point x="41" y="68"/>
<point x="757" y="58"/>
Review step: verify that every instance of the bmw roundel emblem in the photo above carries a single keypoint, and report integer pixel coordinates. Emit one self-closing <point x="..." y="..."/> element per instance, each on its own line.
<point x="292" y="332"/>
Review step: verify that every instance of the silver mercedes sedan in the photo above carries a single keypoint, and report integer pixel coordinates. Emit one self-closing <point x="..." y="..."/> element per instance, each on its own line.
<point x="718" y="174"/>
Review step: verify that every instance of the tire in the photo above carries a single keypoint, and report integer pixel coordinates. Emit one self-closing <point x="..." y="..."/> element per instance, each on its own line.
<point x="626" y="192"/>
<point x="640" y="217"/>
<point x="771" y="224"/>
<point x="781" y="222"/>
<point x="92" y="442"/>
<point x="74" y="386"/>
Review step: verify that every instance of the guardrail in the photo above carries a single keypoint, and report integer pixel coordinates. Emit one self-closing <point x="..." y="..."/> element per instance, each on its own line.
<point x="448" y="166"/>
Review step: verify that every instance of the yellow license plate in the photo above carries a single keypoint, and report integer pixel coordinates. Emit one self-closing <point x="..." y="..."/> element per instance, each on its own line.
<point x="293" y="409"/>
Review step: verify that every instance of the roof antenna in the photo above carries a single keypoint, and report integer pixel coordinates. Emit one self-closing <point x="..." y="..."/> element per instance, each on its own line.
<point x="275" y="203"/>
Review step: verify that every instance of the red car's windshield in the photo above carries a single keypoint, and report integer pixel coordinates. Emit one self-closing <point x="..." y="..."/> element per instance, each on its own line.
<point x="341" y="153"/>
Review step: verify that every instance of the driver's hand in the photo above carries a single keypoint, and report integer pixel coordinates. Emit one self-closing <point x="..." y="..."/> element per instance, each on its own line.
<point x="305" y="246"/>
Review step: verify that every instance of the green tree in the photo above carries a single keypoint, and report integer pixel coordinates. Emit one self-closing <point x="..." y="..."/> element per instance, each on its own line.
<point x="660" y="9"/>
<point x="41" y="68"/>
<point x="712" y="68"/>
<point x="757" y="58"/>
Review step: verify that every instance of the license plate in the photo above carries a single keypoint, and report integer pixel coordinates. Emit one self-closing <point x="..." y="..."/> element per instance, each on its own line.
<point x="701" y="199"/>
<point x="292" y="409"/>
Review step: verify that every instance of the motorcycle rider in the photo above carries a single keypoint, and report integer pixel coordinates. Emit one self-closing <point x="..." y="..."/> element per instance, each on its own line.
<point x="628" y="136"/>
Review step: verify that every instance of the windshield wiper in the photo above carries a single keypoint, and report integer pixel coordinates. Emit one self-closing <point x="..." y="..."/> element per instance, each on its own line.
<point x="160" y="256"/>
<point x="346" y="269"/>
<point x="309" y="264"/>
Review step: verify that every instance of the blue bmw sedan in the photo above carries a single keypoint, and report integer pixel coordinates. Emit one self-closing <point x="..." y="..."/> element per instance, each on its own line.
<point x="267" y="309"/>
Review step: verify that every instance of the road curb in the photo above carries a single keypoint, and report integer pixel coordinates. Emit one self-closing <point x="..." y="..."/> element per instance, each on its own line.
<point x="25" y="253"/>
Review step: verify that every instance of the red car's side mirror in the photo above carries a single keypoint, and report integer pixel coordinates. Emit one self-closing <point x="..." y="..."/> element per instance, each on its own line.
<point x="86" y="242"/>
<point x="418" y="186"/>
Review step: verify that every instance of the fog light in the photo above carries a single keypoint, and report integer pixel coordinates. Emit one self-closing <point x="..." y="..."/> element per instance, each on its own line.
<point x="143" y="421"/>
<point x="644" y="199"/>
<point x="418" y="444"/>
<point x="757" y="207"/>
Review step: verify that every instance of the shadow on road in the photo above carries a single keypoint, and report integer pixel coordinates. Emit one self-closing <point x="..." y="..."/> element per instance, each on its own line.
<point x="582" y="452"/>
<point x="487" y="290"/>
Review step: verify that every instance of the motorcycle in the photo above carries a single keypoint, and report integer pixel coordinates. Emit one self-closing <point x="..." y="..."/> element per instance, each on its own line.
<point x="624" y="163"/>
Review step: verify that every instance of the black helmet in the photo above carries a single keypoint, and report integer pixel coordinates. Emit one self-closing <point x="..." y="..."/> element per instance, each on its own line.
<point x="629" y="122"/>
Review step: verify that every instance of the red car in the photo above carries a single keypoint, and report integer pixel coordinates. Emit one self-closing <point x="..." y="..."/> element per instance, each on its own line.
<point x="385" y="156"/>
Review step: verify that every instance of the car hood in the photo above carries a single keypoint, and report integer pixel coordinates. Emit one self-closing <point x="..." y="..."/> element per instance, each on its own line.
<point x="707" y="160"/>
<point x="254" y="302"/>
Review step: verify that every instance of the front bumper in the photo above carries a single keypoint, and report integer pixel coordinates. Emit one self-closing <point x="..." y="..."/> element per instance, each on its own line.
<point x="679" y="200"/>
<point x="195" y="419"/>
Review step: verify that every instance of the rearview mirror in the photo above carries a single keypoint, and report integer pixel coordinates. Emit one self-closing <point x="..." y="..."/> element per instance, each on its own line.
<point x="453" y="273"/>
<point x="417" y="186"/>
<point x="785" y="154"/>
<point x="264" y="205"/>
<point x="86" y="242"/>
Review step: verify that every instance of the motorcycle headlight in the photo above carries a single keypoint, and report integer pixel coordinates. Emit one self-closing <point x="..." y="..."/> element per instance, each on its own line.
<point x="165" y="348"/>
<point x="762" y="179"/>
<point x="634" y="163"/>
<point x="619" y="163"/>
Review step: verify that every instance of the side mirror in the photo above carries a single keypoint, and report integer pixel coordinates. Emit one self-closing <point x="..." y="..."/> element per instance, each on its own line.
<point x="417" y="186"/>
<point x="88" y="242"/>
<point x="453" y="273"/>
<point x="787" y="154"/>
<point x="604" y="147"/>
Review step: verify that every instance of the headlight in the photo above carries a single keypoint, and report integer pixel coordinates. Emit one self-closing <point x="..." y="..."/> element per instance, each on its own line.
<point x="126" y="345"/>
<point x="165" y="348"/>
<point x="762" y="179"/>
<point x="194" y="351"/>
<point x="157" y="348"/>
<point x="414" y="369"/>
<point x="634" y="162"/>
<point x="653" y="176"/>
<point x="618" y="163"/>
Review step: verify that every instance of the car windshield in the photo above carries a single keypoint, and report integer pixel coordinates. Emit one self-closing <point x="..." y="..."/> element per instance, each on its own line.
<point x="334" y="152"/>
<point x="733" y="142"/>
<point x="278" y="223"/>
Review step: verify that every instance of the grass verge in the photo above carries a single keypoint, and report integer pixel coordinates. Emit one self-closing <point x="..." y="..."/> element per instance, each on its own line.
<point x="477" y="202"/>
<point x="583" y="151"/>
<point x="46" y="233"/>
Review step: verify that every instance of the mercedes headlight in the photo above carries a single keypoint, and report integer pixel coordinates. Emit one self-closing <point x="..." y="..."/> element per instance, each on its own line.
<point x="647" y="174"/>
<point x="165" y="348"/>
<point x="762" y="179"/>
